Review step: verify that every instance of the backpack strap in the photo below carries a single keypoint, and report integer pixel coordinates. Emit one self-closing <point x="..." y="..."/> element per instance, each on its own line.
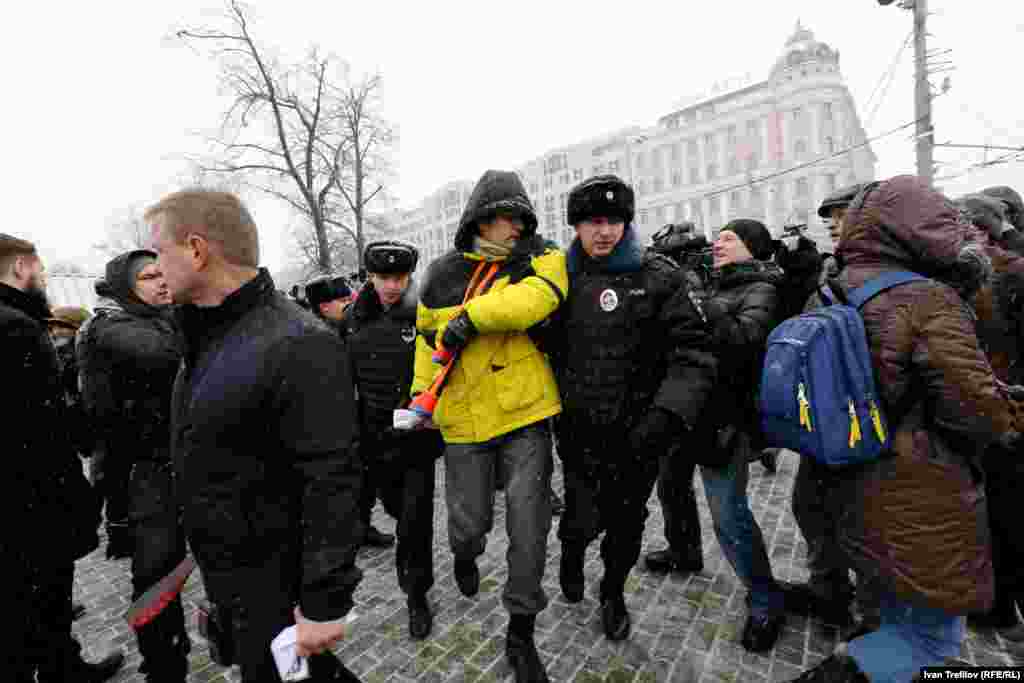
<point x="872" y="288"/>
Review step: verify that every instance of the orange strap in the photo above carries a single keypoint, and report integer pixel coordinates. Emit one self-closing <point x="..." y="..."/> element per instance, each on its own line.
<point x="475" y="288"/>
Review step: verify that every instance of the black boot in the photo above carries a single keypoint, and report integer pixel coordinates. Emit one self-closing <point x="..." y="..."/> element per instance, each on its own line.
<point x="760" y="633"/>
<point x="120" y="541"/>
<point x="377" y="539"/>
<point x="467" y="577"/>
<point x="839" y="668"/>
<point x="421" y="619"/>
<point x="665" y="561"/>
<point x="615" y="617"/>
<point x="570" y="573"/>
<point x="833" y="608"/>
<point x="521" y="651"/>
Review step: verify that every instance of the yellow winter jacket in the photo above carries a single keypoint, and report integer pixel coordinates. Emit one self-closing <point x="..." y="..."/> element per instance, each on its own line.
<point x="501" y="381"/>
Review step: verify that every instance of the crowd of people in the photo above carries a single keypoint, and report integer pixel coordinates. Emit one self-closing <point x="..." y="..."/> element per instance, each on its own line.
<point x="223" y="422"/>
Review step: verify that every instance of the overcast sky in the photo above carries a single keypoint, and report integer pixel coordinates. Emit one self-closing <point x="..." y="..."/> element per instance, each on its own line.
<point x="100" y="107"/>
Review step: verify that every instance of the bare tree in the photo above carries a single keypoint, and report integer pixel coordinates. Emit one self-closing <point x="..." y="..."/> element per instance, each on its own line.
<point x="289" y="133"/>
<point x="126" y="232"/>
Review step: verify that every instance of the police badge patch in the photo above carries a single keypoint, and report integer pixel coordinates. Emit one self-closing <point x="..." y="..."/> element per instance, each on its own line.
<point x="409" y="334"/>
<point x="609" y="300"/>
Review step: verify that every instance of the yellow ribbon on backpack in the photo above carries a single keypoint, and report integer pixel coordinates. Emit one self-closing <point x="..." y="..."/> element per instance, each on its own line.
<point x="876" y="419"/>
<point x="854" y="426"/>
<point x="805" y="408"/>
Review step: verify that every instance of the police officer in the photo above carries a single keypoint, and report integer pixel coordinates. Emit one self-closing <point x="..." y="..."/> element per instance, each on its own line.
<point x="634" y="370"/>
<point x="380" y="327"/>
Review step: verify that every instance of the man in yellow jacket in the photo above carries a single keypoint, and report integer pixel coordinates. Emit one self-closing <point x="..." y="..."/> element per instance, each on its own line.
<point x="493" y="411"/>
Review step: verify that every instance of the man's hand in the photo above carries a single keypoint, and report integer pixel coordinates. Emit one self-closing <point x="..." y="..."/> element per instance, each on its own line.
<point x="458" y="333"/>
<point x="312" y="637"/>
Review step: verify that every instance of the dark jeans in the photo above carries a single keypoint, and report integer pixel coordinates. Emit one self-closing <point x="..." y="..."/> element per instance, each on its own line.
<point x="111" y="472"/>
<point x="679" y="504"/>
<point x="818" y="521"/>
<point x="525" y="458"/>
<point x="606" y="491"/>
<point x="51" y="650"/>
<point x="738" y="533"/>
<point x="1004" y="480"/>
<point x="402" y="474"/>
<point x="159" y="547"/>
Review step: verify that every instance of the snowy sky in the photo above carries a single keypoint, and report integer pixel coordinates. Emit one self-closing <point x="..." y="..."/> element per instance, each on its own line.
<point x="100" y="107"/>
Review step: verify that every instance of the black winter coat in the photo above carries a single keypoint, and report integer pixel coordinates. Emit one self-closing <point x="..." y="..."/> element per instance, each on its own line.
<point x="740" y="305"/>
<point x="138" y="349"/>
<point x="51" y="511"/>
<point x="264" y="447"/>
<point x="629" y="338"/>
<point x="382" y="348"/>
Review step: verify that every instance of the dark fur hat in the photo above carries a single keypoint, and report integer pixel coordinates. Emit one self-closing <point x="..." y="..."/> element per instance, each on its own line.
<point x="601" y="195"/>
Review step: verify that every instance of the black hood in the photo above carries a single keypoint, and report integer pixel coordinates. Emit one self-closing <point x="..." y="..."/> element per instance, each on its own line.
<point x="495" y="190"/>
<point x="118" y="282"/>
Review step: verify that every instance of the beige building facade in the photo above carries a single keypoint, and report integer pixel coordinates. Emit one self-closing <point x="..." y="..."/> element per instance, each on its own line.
<point x="768" y="149"/>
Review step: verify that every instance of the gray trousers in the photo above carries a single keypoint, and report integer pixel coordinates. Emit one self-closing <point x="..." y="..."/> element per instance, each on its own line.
<point x="524" y="457"/>
<point x="818" y="521"/>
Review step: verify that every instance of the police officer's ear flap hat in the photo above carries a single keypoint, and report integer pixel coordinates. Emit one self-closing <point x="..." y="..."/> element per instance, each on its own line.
<point x="602" y="195"/>
<point x="325" y="289"/>
<point x="390" y="257"/>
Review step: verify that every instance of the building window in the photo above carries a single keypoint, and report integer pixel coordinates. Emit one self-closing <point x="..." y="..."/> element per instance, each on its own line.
<point x="694" y="175"/>
<point x="677" y="179"/>
<point x="830" y="145"/>
<point x="691" y="150"/>
<point x="696" y="215"/>
<point x="826" y="111"/>
<point x="641" y="188"/>
<point x="549" y="203"/>
<point x="659" y="215"/>
<point x="690" y="116"/>
<point x="830" y="182"/>
<point x="656" y="155"/>
<point x="730" y="136"/>
<point x="643" y="216"/>
<point x="640" y="162"/>
<point x="551" y="220"/>
<point x="613" y="166"/>
<point x="712" y="172"/>
<point x="735" y="203"/>
<point x="734" y="165"/>
<point x="800" y="149"/>
<point x="659" y="184"/>
<point x="577" y="174"/>
<point x="547" y="183"/>
<point x="803" y="188"/>
<point x="680" y="211"/>
<point x="676" y="154"/>
<point x="797" y="114"/>
<point x="565" y="179"/>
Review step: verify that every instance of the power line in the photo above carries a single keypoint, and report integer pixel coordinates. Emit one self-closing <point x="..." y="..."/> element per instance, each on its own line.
<point x="887" y="78"/>
<point x="1012" y="156"/>
<point x="751" y="181"/>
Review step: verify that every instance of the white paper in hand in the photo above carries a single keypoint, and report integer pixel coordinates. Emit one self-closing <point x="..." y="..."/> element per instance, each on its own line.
<point x="407" y="419"/>
<point x="290" y="665"/>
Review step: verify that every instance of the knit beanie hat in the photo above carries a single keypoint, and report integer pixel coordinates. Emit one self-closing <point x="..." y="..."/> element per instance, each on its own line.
<point x="754" y="235"/>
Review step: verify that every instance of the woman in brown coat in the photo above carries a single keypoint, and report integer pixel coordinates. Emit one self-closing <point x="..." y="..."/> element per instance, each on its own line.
<point x="914" y="523"/>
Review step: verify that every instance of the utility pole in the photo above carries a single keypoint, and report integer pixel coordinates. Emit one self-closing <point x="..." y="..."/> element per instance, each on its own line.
<point x="925" y="134"/>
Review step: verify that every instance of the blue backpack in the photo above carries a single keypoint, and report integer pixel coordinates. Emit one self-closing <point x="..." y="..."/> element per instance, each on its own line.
<point x="818" y="394"/>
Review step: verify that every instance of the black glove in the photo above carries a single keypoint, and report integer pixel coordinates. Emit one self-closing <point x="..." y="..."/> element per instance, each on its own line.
<point x="804" y="257"/>
<point x="458" y="333"/>
<point x="654" y="433"/>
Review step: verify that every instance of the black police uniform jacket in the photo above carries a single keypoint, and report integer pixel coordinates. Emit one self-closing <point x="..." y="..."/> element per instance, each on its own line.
<point x="263" y="443"/>
<point x="51" y="511"/>
<point x="382" y="350"/>
<point x="628" y="338"/>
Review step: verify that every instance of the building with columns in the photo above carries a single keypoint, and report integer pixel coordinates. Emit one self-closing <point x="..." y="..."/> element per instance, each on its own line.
<point x="768" y="149"/>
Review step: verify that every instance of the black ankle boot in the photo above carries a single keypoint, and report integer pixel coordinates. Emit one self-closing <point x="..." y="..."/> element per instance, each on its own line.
<point x="615" y="617"/>
<point x="421" y="619"/>
<point x="570" y="573"/>
<point x="467" y="577"/>
<point x="521" y="651"/>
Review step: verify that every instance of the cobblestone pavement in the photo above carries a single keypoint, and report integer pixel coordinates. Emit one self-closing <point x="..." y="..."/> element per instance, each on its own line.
<point x="685" y="627"/>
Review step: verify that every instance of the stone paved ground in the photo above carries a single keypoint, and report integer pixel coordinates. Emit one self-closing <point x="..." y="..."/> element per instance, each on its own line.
<point x="685" y="628"/>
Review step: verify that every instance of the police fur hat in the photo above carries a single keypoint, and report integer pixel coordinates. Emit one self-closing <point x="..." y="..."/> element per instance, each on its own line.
<point x="390" y="257"/>
<point x="325" y="289"/>
<point x="602" y="195"/>
<point x="839" y="199"/>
